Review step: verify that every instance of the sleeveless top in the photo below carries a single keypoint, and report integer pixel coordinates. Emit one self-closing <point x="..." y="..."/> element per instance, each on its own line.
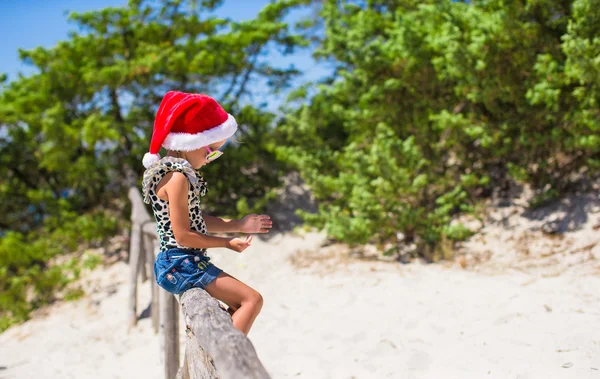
<point x="196" y="189"/>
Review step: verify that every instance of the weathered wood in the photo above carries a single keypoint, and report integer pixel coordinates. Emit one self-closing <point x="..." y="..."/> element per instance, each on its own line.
<point x="142" y="261"/>
<point x="149" y="255"/>
<point x="134" y="257"/>
<point x="233" y="353"/>
<point x="169" y="325"/>
<point x="139" y="216"/>
<point x="197" y="364"/>
<point x="150" y="229"/>
<point x="154" y="307"/>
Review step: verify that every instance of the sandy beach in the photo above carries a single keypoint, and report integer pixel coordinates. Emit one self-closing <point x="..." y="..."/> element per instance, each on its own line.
<point x="430" y="172"/>
<point x="328" y="315"/>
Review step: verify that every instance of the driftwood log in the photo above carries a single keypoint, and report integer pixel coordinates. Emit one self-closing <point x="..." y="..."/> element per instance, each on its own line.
<point x="197" y="364"/>
<point x="215" y="349"/>
<point x="233" y="353"/>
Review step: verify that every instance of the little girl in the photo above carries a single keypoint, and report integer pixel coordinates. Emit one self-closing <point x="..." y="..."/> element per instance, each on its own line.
<point x="193" y="127"/>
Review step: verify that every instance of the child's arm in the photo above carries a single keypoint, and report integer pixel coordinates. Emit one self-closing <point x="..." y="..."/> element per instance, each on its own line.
<point x="177" y="194"/>
<point x="221" y="225"/>
<point x="250" y="224"/>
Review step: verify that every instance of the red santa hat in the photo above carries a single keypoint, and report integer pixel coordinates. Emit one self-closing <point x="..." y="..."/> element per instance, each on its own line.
<point x="186" y="122"/>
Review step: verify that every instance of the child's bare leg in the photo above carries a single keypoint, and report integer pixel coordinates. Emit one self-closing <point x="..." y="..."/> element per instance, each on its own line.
<point x="245" y="301"/>
<point x="231" y="310"/>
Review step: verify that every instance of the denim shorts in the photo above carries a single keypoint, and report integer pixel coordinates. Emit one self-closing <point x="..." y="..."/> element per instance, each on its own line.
<point x="177" y="270"/>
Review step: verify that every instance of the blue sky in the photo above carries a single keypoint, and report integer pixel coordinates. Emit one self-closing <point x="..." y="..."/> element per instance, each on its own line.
<point x="27" y="24"/>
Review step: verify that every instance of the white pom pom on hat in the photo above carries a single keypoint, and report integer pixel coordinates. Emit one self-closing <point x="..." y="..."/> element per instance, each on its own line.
<point x="150" y="159"/>
<point x="186" y="122"/>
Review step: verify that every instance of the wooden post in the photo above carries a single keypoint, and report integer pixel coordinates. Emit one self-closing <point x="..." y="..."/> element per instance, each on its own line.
<point x="139" y="217"/>
<point x="134" y="257"/>
<point x="149" y="253"/>
<point x="154" y="307"/>
<point x="142" y="261"/>
<point x="231" y="350"/>
<point x="169" y="321"/>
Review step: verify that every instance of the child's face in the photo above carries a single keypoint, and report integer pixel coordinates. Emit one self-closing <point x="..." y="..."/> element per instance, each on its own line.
<point x="197" y="157"/>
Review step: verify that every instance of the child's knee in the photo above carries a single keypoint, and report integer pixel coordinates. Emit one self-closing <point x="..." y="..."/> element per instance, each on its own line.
<point x="259" y="300"/>
<point x="255" y="299"/>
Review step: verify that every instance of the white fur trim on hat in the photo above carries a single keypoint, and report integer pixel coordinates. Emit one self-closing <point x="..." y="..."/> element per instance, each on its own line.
<point x="149" y="159"/>
<point x="189" y="142"/>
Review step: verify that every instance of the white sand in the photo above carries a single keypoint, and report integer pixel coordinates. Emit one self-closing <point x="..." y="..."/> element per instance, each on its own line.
<point x="341" y="318"/>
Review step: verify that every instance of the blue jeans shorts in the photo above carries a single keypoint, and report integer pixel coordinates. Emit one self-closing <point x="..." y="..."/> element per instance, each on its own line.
<point x="177" y="270"/>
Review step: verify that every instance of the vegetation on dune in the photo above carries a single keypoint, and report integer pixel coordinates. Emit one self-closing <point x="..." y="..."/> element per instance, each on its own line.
<point x="431" y="107"/>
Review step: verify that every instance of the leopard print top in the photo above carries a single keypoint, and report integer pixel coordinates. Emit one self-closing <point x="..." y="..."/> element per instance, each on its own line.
<point x="197" y="188"/>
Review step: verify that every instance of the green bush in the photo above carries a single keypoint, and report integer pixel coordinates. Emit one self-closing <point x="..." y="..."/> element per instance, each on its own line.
<point x="29" y="275"/>
<point x="434" y="104"/>
<point x="73" y="133"/>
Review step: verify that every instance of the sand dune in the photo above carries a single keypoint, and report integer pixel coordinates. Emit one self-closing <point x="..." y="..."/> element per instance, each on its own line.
<point x="338" y="317"/>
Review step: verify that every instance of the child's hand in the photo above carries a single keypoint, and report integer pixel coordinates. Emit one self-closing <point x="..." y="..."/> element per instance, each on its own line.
<point x="256" y="224"/>
<point x="238" y="244"/>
